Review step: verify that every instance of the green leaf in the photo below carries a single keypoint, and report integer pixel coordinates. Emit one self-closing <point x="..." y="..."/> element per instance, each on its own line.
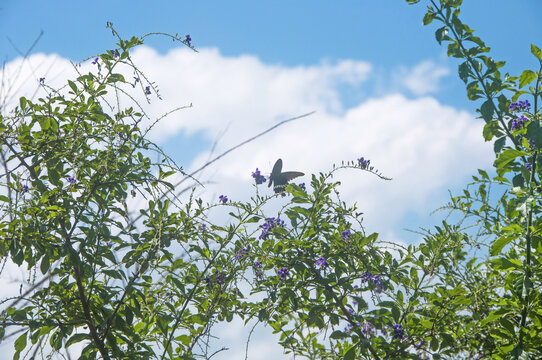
<point x="20" y="343"/>
<point x="76" y="338"/>
<point x="22" y="102"/>
<point x="338" y="334"/>
<point x="428" y="18"/>
<point x="536" y="52"/>
<point x="487" y="109"/>
<point x="526" y="77"/>
<point x="4" y="198"/>
<point x="464" y="71"/>
<point x="506" y="157"/>
<point x="499" y="144"/>
<point x="72" y="86"/>
<point x="499" y="244"/>
<point x="45" y="264"/>
<point x="350" y="354"/>
<point x="441" y="33"/>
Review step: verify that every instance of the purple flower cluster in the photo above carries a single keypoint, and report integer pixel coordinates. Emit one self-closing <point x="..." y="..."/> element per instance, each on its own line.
<point x="25" y="188"/>
<point x="257" y="267"/>
<point x="349" y="327"/>
<point x="376" y="279"/>
<point x="115" y="53"/>
<point x="95" y="61"/>
<point x="520" y="105"/>
<point x="219" y="277"/>
<point x="269" y="224"/>
<point x="302" y="186"/>
<point x="188" y="39"/>
<point x="518" y="123"/>
<point x="531" y="142"/>
<point x="223" y="199"/>
<point x="147" y="90"/>
<point x="71" y="180"/>
<point x="260" y="179"/>
<point x="398" y="332"/>
<point x="42" y="80"/>
<point x="368" y="329"/>
<point x="242" y="253"/>
<point x="528" y="165"/>
<point x="283" y="273"/>
<point x="322" y="263"/>
<point x="364" y="164"/>
<point x="345" y="234"/>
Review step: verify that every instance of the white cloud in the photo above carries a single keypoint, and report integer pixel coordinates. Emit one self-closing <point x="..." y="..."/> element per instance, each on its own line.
<point x="424" y="146"/>
<point x="423" y="78"/>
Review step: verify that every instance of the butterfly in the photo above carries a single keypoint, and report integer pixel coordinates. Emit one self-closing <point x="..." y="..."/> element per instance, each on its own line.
<point x="280" y="179"/>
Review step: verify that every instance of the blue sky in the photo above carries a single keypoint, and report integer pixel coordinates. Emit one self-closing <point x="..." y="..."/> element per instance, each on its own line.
<point x="381" y="86"/>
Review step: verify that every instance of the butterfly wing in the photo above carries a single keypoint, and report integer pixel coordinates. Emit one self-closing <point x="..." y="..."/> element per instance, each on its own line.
<point x="282" y="179"/>
<point x="275" y="173"/>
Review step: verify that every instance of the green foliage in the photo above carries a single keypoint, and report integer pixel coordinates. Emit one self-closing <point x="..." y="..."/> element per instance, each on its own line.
<point x="123" y="286"/>
<point x="152" y="286"/>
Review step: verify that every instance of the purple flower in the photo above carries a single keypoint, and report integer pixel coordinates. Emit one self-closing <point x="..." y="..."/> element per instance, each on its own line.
<point x="520" y="105"/>
<point x="241" y="253"/>
<point x="377" y="281"/>
<point x="95" y="61"/>
<point x="525" y="104"/>
<point x="351" y="311"/>
<point x="283" y="273"/>
<point x="147" y="90"/>
<point x="257" y="267"/>
<point x="220" y="277"/>
<point x="530" y="141"/>
<point x="223" y="199"/>
<point x="366" y="276"/>
<point x="322" y="263"/>
<point x="25" y="188"/>
<point x="368" y="329"/>
<point x="398" y="332"/>
<point x="260" y="179"/>
<point x="136" y="79"/>
<point x="528" y="165"/>
<point x="42" y="80"/>
<point x="71" y="180"/>
<point x="208" y="282"/>
<point x="115" y="53"/>
<point x="188" y="39"/>
<point x="269" y="224"/>
<point x="302" y="186"/>
<point x="203" y="227"/>
<point x="518" y="123"/>
<point x="345" y="234"/>
<point x="364" y="164"/>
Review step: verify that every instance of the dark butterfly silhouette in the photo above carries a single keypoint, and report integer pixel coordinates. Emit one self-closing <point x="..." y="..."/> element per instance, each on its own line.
<point x="280" y="179"/>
